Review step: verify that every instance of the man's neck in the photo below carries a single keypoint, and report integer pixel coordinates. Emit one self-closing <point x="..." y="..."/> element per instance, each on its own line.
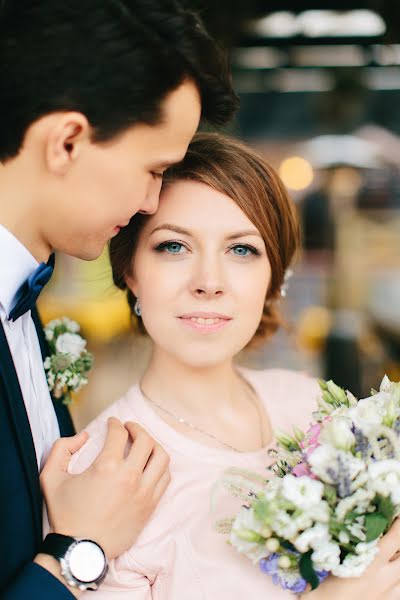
<point x="17" y="212"/>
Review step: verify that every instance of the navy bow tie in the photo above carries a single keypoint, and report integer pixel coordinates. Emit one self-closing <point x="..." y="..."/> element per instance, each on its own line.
<point x="29" y="291"/>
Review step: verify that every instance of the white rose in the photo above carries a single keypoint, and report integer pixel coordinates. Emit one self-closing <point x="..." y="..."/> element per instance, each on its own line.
<point x="338" y="433"/>
<point x="369" y="413"/>
<point x="303" y="492"/>
<point x="70" y="343"/>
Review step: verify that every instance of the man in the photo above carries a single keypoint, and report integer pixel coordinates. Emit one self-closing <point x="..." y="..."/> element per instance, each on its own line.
<point x="97" y="99"/>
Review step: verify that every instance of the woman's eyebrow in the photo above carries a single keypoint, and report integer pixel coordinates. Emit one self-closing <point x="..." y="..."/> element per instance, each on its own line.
<point x="174" y="228"/>
<point x="239" y="234"/>
<point x="183" y="231"/>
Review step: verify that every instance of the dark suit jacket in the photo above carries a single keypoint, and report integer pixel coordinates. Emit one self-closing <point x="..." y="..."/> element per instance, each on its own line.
<point x="20" y="495"/>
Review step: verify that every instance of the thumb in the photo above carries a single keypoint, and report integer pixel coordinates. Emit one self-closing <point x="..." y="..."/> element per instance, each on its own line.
<point x="62" y="451"/>
<point x="390" y="543"/>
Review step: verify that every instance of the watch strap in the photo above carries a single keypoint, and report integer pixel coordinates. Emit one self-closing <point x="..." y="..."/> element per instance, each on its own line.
<point x="56" y="544"/>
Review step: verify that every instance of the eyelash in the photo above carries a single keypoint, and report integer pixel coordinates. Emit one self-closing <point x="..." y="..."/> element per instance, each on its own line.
<point x="157" y="175"/>
<point x="164" y="245"/>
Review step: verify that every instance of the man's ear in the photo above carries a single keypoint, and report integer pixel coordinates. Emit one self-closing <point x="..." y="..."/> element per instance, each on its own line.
<point x="131" y="282"/>
<point x="67" y="134"/>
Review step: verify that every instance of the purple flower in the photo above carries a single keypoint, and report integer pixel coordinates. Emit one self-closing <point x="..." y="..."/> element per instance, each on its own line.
<point x="288" y="579"/>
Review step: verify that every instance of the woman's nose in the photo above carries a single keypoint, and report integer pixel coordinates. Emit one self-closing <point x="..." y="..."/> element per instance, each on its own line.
<point x="208" y="280"/>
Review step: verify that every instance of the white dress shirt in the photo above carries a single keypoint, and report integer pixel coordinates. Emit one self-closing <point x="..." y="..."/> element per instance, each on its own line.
<point x="16" y="264"/>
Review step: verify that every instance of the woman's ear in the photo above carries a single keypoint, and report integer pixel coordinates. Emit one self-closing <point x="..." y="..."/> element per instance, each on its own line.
<point x="68" y="133"/>
<point x="131" y="283"/>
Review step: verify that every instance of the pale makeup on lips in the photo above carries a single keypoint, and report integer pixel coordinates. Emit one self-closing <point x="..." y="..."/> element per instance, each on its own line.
<point x="205" y="322"/>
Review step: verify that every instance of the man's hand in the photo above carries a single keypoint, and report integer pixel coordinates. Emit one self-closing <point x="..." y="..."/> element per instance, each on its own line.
<point x="112" y="500"/>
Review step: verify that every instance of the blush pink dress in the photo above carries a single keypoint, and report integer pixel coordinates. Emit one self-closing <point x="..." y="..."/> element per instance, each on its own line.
<point x="179" y="555"/>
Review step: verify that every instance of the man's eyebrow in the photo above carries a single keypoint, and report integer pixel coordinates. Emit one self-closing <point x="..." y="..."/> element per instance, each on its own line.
<point x="183" y="231"/>
<point x="165" y="164"/>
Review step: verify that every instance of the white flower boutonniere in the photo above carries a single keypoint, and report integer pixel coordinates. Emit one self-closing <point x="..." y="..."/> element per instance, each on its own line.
<point x="69" y="363"/>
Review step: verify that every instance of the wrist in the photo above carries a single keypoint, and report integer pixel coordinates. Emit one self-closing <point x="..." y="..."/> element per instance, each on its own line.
<point x="82" y="562"/>
<point x="52" y="565"/>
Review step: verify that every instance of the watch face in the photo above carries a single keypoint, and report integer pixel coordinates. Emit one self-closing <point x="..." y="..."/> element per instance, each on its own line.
<point x="86" y="561"/>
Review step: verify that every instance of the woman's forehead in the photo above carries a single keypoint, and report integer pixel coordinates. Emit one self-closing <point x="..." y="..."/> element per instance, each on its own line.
<point x="195" y="203"/>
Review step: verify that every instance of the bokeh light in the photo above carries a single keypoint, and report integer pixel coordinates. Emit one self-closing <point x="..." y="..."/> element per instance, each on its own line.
<point x="296" y="173"/>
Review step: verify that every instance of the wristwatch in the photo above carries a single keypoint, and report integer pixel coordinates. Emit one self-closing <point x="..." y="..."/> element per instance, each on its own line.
<point x="83" y="562"/>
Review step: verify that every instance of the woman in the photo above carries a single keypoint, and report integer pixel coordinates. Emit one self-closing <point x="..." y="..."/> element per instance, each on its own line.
<point x="204" y="276"/>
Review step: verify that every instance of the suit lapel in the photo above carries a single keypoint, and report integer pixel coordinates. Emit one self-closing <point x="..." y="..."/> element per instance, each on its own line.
<point x="63" y="415"/>
<point x="20" y="422"/>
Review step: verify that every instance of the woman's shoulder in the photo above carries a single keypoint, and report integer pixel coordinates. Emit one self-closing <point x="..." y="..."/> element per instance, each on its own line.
<point x="282" y="379"/>
<point x="291" y="396"/>
<point x="124" y="409"/>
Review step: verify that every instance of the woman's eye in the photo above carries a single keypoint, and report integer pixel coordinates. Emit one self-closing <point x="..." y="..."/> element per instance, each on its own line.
<point x="244" y="250"/>
<point x="170" y="247"/>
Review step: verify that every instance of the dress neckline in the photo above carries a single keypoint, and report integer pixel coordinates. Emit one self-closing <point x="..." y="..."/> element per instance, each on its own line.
<point x="168" y="436"/>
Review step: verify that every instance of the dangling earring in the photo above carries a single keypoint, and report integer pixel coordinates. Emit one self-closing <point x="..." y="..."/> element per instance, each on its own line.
<point x="137" y="309"/>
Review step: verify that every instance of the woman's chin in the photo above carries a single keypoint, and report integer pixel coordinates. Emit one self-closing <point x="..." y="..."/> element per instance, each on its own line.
<point x="203" y="359"/>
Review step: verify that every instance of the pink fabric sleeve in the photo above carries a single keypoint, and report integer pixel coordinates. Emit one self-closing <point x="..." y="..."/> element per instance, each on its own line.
<point x="125" y="581"/>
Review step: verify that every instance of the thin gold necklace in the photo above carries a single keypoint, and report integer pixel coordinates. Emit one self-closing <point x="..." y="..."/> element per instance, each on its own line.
<point x="202" y="431"/>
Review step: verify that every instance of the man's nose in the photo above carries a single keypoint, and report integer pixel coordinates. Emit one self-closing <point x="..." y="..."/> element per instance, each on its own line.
<point x="150" y="205"/>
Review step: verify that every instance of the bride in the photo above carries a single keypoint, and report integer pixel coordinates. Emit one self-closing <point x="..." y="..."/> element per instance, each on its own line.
<point x="203" y="278"/>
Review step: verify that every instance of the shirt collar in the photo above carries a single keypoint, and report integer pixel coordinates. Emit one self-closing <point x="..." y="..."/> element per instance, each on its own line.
<point x="16" y="264"/>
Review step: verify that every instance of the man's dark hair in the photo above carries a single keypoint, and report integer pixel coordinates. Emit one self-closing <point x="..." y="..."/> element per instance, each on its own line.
<point x="112" y="60"/>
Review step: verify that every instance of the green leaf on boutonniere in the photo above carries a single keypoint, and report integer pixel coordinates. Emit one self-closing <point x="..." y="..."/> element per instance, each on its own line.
<point x="375" y="525"/>
<point x="307" y="570"/>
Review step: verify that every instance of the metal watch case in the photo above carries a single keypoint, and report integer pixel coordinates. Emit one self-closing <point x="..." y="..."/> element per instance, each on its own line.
<point x="68" y="575"/>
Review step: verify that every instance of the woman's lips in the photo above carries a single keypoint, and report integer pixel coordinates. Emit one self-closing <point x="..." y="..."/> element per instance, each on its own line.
<point x="205" y="322"/>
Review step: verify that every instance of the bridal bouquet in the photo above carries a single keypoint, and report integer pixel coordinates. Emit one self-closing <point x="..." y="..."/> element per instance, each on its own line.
<point x="336" y="491"/>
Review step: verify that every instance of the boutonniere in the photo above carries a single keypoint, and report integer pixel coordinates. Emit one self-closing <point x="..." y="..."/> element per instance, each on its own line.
<point x="69" y="362"/>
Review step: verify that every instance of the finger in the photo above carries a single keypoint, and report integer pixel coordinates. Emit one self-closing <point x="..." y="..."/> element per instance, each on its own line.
<point x="115" y="442"/>
<point x="394" y="593"/>
<point x="156" y="467"/>
<point x="390" y="543"/>
<point x="63" y="449"/>
<point x="141" y="449"/>
<point x="56" y="467"/>
<point x="161" y="487"/>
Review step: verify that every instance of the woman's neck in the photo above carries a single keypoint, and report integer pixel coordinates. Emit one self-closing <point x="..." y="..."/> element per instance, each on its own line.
<point x="216" y="399"/>
<point x="192" y="390"/>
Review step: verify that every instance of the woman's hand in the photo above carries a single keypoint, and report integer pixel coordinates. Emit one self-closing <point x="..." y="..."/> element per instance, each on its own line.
<point x="381" y="581"/>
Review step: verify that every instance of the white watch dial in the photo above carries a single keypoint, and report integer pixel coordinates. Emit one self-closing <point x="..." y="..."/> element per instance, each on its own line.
<point x="86" y="561"/>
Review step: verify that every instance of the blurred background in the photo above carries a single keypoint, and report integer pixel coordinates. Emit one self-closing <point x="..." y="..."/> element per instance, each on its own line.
<point x="319" y="84"/>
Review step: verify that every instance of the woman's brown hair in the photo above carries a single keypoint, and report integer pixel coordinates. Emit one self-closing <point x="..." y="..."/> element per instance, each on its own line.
<point x="236" y="170"/>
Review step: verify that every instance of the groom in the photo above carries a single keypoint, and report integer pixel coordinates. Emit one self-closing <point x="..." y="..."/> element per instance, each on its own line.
<point x="97" y="99"/>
